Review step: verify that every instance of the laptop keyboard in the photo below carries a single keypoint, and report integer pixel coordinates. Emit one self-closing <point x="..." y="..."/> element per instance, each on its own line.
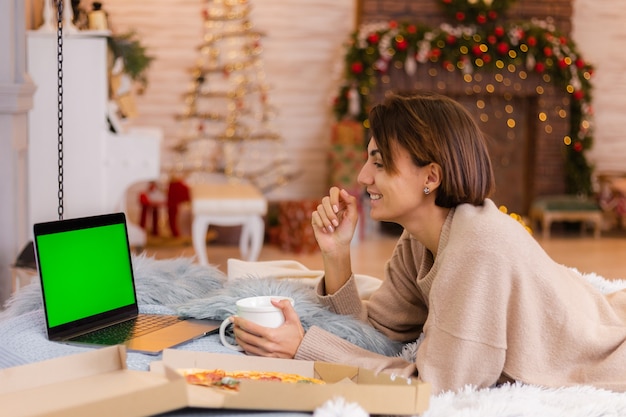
<point x="121" y="332"/>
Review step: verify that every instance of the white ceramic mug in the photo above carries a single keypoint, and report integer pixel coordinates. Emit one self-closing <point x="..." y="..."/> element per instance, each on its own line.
<point x="258" y="310"/>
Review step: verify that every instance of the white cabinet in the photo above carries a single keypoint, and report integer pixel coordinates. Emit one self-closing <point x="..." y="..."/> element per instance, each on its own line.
<point x="98" y="166"/>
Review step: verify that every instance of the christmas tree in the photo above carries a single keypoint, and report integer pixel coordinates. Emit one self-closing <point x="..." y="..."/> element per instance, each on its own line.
<point x="225" y="127"/>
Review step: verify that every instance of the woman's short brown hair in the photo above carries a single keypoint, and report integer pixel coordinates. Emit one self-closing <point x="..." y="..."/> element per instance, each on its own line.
<point x="435" y="128"/>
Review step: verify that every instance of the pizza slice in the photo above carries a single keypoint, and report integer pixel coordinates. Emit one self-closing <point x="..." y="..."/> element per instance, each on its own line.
<point x="219" y="378"/>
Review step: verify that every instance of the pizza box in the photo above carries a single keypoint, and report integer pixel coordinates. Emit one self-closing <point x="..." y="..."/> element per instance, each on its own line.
<point x="376" y="394"/>
<point x="94" y="383"/>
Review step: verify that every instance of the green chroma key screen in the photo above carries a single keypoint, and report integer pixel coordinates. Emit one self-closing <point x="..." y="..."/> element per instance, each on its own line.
<point x="85" y="272"/>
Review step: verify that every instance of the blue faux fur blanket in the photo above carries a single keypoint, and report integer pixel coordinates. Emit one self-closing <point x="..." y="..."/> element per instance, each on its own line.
<point x="204" y="292"/>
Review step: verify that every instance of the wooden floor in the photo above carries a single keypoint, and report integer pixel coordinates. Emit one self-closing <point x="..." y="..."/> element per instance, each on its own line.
<point x="605" y="256"/>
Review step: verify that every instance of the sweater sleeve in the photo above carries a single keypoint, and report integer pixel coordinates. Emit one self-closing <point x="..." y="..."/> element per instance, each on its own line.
<point x="320" y="345"/>
<point x="398" y="307"/>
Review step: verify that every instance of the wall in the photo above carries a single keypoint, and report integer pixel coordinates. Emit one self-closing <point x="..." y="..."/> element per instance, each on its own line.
<point x="599" y="28"/>
<point x="16" y="99"/>
<point x="430" y="12"/>
<point x="302" y="59"/>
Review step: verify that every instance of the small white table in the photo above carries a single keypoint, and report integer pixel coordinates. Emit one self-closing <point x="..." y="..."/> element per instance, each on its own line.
<point x="228" y="204"/>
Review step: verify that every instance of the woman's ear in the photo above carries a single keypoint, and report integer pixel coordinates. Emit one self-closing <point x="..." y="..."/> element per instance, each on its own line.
<point x="434" y="176"/>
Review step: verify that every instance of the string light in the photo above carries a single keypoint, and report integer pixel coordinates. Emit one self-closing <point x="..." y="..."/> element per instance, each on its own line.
<point x="225" y="125"/>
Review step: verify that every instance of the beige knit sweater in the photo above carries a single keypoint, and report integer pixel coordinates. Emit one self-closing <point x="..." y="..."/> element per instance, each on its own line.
<point x="492" y="305"/>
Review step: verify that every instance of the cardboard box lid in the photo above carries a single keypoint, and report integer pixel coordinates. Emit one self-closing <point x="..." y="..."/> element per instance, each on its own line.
<point x="377" y="394"/>
<point x="94" y="383"/>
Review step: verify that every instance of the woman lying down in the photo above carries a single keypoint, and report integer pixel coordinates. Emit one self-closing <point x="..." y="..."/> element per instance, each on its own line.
<point x="492" y="305"/>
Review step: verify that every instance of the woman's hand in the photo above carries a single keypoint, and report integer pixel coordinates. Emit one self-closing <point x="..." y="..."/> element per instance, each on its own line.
<point x="335" y="219"/>
<point x="334" y="224"/>
<point x="281" y="342"/>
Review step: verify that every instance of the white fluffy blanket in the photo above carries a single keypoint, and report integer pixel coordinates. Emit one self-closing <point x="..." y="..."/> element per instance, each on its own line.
<point x="180" y="285"/>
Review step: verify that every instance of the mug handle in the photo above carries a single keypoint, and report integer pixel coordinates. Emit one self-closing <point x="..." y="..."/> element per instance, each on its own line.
<point x="227" y="322"/>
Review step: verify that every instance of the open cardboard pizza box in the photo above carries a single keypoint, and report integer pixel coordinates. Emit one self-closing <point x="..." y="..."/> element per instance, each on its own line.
<point x="94" y="383"/>
<point x="377" y="394"/>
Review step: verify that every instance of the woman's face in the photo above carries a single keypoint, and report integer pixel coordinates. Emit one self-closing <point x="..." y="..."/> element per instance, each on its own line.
<point x="393" y="197"/>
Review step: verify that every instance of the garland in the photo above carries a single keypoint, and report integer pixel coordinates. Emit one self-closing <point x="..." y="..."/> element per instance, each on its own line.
<point x="480" y="12"/>
<point x="533" y="46"/>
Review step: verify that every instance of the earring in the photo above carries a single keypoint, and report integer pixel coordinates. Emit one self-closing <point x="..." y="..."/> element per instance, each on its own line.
<point x="426" y="190"/>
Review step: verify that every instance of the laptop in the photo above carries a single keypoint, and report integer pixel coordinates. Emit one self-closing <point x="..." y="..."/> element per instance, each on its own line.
<point x="88" y="288"/>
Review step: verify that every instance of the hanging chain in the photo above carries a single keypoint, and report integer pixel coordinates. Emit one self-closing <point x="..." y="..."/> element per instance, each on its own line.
<point x="60" y="101"/>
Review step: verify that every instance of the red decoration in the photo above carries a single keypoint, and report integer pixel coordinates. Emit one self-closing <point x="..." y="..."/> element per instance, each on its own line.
<point x="402" y="44"/>
<point x="578" y="95"/>
<point x="578" y="146"/>
<point x="295" y="233"/>
<point x="177" y="193"/>
<point x="503" y="48"/>
<point x="357" y="68"/>
<point x="150" y="201"/>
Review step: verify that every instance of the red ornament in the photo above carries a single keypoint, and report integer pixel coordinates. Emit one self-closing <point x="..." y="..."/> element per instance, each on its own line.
<point x="486" y="58"/>
<point x="356" y="67"/>
<point x="476" y="50"/>
<point x="373" y="38"/>
<point x="503" y="48"/>
<point x="393" y="24"/>
<point x="499" y="31"/>
<point x="578" y="95"/>
<point x="460" y="16"/>
<point x="540" y="67"/>
<point x="562" y="64"/>
<point x="580" y="64"/>
<point x="547" y="51"/>
<point x="481" y="19"/>
<point x="411" y="29"/>
<point x="532" y="41"/>
<point x="435" y="53"/>
<point x="492" y="39"/>
<point x="402" y="44"/>
<point x="578" y="146"/>
<point x="450" y="39"/>
<point x="492" y="14"/>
